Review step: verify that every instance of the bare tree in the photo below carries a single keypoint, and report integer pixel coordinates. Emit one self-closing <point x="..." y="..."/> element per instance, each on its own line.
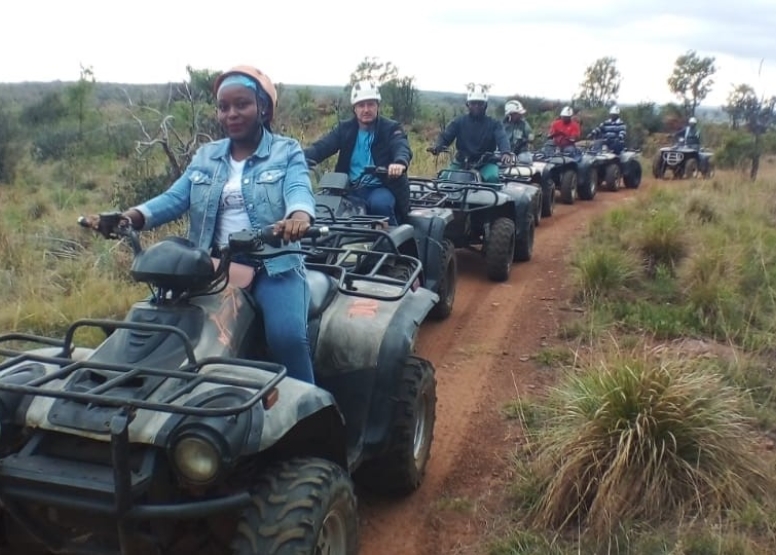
<point x="178" y="143"/>
<point x="691" y="80"/>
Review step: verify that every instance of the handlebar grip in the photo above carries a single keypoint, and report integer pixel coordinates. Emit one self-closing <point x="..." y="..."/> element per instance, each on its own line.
<point x="83" y="222"/>
<point x="267" y="235"/>
<point x="316" y="231"/>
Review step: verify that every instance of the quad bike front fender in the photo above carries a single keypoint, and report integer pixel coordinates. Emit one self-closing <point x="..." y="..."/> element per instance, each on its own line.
<point x="526" y="201"/>
<point x="361" y="350"/>
<point x="430" y="225"/>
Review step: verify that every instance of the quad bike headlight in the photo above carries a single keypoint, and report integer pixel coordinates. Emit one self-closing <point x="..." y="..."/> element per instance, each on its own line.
<point x="197" y="459"/>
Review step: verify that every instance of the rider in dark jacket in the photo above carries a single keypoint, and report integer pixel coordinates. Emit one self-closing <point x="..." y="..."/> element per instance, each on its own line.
<point x="368" y="139"/>
<point x="612" y="130"/>
<point x="691" y="134"/>
<point x="475" y="134"/>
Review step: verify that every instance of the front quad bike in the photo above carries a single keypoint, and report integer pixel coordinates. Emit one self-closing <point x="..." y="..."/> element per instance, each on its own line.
<point x="173" y="436"/>
<point x="683" y="160"/>
<point x="564" y="171"/>
<point x="422" y="236"/>
<point x="496" y="219"/>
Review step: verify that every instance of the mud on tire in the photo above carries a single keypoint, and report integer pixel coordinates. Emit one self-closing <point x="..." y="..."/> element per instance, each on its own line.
<point x="587" y="189"/>
<point x="612" y="176"/>
<point x="568" y="187"/>
<point x="500" y="249"/>
<point x="691" y="168"/>
<point x="548" y="201"/>
<point x="401" y="468"/>
<point x="303" y="505"/>
<point x="447" y="282"/>
<point x="524" y="243"/>
<point x="632" y="179"/>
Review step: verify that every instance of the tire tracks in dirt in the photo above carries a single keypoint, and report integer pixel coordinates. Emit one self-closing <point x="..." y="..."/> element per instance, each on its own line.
<point x="482" y="358"/>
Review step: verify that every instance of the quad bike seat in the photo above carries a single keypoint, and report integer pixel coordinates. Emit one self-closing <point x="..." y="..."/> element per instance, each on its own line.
<point x="322" y="290"/>
<point x="460" y="176"/>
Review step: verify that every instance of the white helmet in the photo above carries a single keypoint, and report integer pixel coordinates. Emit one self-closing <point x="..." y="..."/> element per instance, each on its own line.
<point x="566" y="112"/>
<point x="614" y="110"/>
<point x="477" y="94"/>
<point x="692" y="121"/>
<point x="513" y="107"/>
<point x="364" y="90"/>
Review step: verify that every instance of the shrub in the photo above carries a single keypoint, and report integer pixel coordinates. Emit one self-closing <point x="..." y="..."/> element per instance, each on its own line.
<point x="642" y="439"/>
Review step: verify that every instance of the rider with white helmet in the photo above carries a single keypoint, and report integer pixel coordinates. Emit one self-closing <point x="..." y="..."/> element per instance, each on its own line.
<point x="565" y="131"/>
<point x="517" y="128"/>
<point x="613" y="130"/>
<point x="475" y="134"/>
<point x="369" y="139"/>
<point x="691" y="134"/>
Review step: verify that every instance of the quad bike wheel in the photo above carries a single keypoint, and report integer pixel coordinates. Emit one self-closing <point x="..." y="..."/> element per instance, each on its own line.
<point x="588" y="188"/>
<point x="612" y="177"/>
<point x="447" y="282"/>
<point x="691" y="168"/>
<point x="709" y="173"/>
<point x="302" y="505"/>
<point x="632" y="179"/>
<point x="400" y="469"/>
<point x="568" y="187"/>
<point x="500" y="249"/>
<point x="537" y="212"/>
<point x="524" y="243"/>
<point x="548" y="200"/>
<point x="657" y="166"/>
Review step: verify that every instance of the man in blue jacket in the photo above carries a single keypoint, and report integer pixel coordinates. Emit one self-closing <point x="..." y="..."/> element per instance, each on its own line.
<point x="368" y="139"/>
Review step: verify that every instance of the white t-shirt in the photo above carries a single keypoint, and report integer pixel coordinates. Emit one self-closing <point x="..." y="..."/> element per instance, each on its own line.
<point x="232" y="216"/>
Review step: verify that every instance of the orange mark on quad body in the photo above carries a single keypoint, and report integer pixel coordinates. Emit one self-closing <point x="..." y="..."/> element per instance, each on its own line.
<point x="366" y="308"/>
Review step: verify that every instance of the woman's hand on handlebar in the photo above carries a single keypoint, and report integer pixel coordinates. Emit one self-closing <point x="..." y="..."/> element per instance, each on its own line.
<point x="294" y="227"/>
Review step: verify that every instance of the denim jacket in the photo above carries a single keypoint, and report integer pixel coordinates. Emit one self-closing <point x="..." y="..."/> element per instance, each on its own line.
<point x="275" y="183"/>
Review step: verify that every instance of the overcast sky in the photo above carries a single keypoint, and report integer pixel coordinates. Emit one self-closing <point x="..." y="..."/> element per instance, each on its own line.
<point x="536" y="48"/>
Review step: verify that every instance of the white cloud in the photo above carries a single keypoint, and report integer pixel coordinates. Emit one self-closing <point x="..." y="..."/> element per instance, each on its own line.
<point x="535" y="49"/>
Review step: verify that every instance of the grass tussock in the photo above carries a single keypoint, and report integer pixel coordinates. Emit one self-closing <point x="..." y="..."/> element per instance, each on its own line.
<point x="641" y="440"/>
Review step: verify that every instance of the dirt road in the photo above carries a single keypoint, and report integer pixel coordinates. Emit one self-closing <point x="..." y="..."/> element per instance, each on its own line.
<point x="482" y="358"/>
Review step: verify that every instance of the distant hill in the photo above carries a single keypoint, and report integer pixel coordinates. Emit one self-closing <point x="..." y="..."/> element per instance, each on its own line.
<point x="29" y="92"/>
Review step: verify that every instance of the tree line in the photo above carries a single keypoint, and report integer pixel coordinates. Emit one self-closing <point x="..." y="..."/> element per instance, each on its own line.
<point x="163" y="125"/>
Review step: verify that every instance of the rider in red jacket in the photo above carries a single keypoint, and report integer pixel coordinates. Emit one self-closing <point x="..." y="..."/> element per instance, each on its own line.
<point x="564" y="131"/>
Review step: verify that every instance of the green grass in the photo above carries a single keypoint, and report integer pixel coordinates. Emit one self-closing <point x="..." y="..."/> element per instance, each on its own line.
<point x="656" y="442"/>
<point x="683" y="261"/>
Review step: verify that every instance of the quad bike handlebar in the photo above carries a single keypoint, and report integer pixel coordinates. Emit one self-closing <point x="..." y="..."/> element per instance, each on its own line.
<point x="115" y="225"/>
<point x="253" y="247"/>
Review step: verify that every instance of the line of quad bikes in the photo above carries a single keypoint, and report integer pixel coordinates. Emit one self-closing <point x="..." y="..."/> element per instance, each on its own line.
<point x="176" y="435"/>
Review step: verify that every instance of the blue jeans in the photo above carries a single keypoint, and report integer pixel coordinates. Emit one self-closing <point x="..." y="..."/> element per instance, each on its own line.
<point x="284" y="300"/>
<point x="379" y="202"/>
